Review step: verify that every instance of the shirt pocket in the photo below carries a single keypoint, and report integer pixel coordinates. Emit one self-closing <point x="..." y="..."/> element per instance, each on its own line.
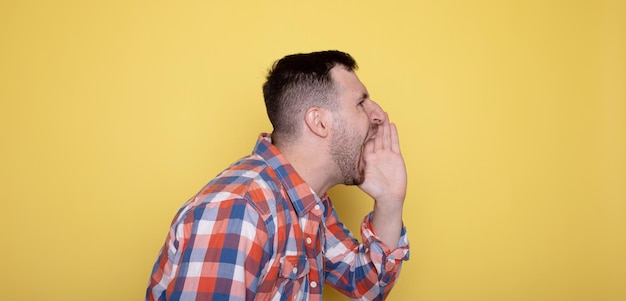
<point x="294" y="267"/>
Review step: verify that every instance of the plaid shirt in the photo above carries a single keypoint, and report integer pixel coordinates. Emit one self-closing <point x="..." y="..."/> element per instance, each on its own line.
<point x="258" y="232"/>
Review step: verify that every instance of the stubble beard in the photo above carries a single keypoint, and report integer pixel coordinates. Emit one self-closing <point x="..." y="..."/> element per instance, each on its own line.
<point x="346" y="149"/>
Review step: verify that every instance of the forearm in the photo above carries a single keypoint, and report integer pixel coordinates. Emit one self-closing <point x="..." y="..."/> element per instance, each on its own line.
<point x="365" y="271"/>
<point x="387" y="223"/>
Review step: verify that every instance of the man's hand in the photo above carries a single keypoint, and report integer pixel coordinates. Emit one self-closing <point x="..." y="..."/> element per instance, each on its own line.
<point x="385" y="180"/>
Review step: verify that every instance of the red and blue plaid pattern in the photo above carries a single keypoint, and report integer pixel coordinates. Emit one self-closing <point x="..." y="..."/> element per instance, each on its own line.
<point x="258" y="232"/>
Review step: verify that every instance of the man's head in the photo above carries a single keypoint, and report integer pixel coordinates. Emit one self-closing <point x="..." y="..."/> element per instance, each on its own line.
<point x="298" y="82"/>
<point x="317" y="99"/>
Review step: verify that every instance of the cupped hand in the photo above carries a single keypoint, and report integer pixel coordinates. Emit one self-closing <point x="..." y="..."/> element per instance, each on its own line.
<point x="385" y="177"/>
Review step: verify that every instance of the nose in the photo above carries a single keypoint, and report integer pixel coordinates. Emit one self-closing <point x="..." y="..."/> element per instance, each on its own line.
<point x="377" y="115"/>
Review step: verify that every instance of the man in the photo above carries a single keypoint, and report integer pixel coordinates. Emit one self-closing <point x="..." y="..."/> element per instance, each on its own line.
<point x="265" y="229"/>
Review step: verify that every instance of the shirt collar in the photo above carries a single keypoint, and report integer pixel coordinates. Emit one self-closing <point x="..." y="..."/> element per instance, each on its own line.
<point x="299" y="192"/>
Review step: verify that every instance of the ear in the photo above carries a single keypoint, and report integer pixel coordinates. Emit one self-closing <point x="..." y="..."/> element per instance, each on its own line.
<point x="317" y="121"/>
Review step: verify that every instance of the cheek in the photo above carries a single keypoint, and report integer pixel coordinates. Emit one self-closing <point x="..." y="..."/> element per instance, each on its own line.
<point x="364" y="120"/>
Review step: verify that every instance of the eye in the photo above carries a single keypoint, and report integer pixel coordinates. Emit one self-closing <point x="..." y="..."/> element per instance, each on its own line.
<point x="362" y="102"/>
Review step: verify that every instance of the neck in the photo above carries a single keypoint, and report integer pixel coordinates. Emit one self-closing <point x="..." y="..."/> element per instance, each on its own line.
<point x="311" y="161"/>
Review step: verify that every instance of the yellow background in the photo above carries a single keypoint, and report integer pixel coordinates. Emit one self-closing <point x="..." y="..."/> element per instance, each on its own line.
<point x="512" y="116"/>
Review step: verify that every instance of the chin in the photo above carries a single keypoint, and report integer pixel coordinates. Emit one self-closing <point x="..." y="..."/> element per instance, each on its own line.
<point x="355" y="180"/>
<point x="353" y="183"/>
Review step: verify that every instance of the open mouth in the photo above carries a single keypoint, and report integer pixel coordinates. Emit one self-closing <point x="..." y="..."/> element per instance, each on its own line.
<point x="367" y="140"/>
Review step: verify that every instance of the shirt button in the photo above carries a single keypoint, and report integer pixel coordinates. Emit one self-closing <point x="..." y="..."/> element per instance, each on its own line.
<point x="313" y="284"/>
<point x="295" y="270"/>
<point x="308" y="241"/>
<point x="317" y="207"/>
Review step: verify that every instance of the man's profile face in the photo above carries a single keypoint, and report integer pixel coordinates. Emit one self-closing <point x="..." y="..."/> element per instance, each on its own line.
<point x="355" y="122"/>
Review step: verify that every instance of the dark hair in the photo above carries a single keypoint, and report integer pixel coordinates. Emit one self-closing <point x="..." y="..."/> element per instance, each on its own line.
<point x="297" y="82"/>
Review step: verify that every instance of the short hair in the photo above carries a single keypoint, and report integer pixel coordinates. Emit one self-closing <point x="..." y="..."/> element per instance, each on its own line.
<point x="297" y="82"/>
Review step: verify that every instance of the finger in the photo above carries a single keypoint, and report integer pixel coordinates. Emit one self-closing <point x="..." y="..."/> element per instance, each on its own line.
<point x="381" y="133"/>
<point x="395" y="139"/>
<point x="386" y="133"/>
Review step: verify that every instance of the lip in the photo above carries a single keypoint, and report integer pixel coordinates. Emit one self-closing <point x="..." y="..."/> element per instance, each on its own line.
<point x="371" y="135"/>
<point x="372" y="132"/>
<point x="361" y="163"/>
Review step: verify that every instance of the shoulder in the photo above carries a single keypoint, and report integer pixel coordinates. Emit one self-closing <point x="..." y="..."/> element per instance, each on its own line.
<point x="250" y="180"/>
